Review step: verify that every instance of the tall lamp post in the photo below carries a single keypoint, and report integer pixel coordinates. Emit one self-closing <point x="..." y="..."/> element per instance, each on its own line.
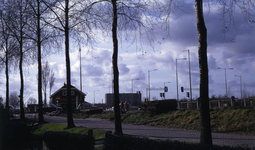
<point x="80" y="76"/>
<point x="226" y="79"/>
<point x="177" y="77"/>
<point x="132" y="83"/>
<point x="189" y="75"/>
<point x="95" y="95"/>
<point x="149" y="81"/>
<point x="240" y="84"/>
<point x="164" y="89"/>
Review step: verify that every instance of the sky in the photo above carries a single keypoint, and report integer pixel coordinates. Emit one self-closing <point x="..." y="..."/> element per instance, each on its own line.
<point x="234" y="49"/>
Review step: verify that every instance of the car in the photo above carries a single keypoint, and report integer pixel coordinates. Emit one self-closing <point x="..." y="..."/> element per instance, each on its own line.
<point x="89" y="108"/>
<point x="51" y="108"/>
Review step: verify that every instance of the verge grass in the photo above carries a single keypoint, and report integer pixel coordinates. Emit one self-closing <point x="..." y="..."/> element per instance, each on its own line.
<point x="97" y="134"/>
<point x="239" y="120"/>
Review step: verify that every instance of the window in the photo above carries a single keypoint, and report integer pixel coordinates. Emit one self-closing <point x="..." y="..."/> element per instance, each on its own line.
<point x="64" y="93"/>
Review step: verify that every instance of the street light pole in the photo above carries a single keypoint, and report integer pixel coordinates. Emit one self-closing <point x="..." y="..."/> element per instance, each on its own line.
<point x="226" y="79"/>
<point x="189" y="75"/>
<point x="132" y="83"/>
<point x="164" y="89"/>
<point x="177" y="77"/>
<point x="95" y="96"/>
<point x="240" y="85"/>
<point x="80" y="76"/>
<point x="149" y="81"/>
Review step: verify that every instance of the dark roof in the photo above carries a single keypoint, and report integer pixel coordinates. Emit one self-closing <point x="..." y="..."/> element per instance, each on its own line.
<point x="64" y="87"/>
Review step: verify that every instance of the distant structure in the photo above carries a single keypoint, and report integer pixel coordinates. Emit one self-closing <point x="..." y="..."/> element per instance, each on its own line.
<point x="131" y="98"/>
<point x="59" y="97"/>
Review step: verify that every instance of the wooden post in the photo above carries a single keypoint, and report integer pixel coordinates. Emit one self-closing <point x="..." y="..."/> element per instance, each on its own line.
<point x="91" y="139"/>
<point x="244" y="102"/>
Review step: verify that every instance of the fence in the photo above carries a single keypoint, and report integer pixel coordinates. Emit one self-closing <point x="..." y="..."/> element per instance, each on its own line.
<point x="246" y="102"/>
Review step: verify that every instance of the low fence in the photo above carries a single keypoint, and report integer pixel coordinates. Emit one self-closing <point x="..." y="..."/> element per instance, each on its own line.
<point x="247" y="102"/>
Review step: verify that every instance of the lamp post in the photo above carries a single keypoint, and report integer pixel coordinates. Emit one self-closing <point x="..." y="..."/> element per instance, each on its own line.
<point x="226" y="78"/>
<point x="240" y="84"/>
<point x="177" y="77"/>
<point x="189" y="75"/>
<point x="94" y="95"/>
<point x="132" y="83"/>
<point x="80" y="76"/>
<point x="149" y="81"/>
<point x="164" y="89"/>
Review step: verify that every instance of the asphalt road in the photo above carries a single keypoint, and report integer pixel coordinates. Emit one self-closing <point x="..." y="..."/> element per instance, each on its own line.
<point x="158" y="133"/>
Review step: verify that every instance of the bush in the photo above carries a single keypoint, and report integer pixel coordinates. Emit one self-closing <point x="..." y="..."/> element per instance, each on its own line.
<point x="15" y="134"/>
<point x="113" y="142"/>
<point x="67" y="141"/>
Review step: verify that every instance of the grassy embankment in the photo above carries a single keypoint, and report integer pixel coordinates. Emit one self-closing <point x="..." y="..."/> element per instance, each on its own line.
<point x="240" y="120"/>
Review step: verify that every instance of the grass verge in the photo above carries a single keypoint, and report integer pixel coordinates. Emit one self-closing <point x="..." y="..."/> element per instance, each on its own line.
<point x="239" y="120"/>
<point x="98" y="134"/>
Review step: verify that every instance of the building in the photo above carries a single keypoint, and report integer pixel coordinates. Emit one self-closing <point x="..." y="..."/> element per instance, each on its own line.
<point x="59" y="97"/>
<point x="131" y="98"/>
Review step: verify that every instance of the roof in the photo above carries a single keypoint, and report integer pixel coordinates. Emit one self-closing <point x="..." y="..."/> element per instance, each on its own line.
<point x="65" y="87"/>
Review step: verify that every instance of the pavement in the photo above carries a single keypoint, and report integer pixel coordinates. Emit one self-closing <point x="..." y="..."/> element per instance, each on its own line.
<point x="156" y="132"/>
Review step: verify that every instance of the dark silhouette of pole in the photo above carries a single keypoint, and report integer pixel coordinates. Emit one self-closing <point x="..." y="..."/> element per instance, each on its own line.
<point x="190" y="93"/>
<point x="177" y="77"/>
<point x="240" y="85"/>
<point x="149" y="81"/>
<point x="226" y="84"/>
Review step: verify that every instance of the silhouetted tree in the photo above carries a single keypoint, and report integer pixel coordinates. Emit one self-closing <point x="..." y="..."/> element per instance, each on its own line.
<point x="8" y="45"/>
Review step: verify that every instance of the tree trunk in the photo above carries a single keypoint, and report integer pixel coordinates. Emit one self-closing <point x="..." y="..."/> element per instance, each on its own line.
<point x="41" y="119"/>
<point x="205" y="134"/>
<point x="45" y="86"/>
<point x="70" y="123"/>
<point x="22" y="114"/>
<point x="118" y="127"/>
<point x="7" y="76"/>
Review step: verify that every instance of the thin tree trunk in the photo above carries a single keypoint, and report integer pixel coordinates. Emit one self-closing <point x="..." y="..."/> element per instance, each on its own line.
<point x="22" y="114"/>
<point x="41" y="119"/>
<point x="45" y="86"/>
<point x="7" y="76"/>
<point x="70" y="123"/>
<point x="118" y="127"/>
<point x="205" y="134"/>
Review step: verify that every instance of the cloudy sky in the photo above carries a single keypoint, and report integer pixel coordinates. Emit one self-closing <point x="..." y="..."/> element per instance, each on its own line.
<point x="234" y="49"/>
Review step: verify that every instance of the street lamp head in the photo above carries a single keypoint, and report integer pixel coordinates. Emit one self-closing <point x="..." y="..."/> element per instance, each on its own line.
<point x="181" y="59"/>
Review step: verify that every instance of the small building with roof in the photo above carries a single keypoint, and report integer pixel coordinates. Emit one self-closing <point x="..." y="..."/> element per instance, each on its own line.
<point x="59" y="98"/>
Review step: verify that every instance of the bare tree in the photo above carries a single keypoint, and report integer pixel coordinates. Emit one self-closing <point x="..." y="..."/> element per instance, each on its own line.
<point x="228" y="7"/>
<point x="17" y="27"/>
<point x="80" y="22"/>
<point x="7" y="46"/>
<point x="133" y="20"/>
<point x="31" y="100"/>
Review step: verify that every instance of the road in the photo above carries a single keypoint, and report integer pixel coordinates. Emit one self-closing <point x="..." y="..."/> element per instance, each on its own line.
<point x="158" y="133"/>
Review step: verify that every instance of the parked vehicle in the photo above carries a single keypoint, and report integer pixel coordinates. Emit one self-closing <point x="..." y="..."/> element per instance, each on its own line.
<point x="89" y="108"/>
<point x="51" y="108"/>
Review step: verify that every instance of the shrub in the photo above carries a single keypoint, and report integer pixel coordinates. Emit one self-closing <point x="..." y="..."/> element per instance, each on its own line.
<point x="67" y="141"/>
<point x="113" y="142"/>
